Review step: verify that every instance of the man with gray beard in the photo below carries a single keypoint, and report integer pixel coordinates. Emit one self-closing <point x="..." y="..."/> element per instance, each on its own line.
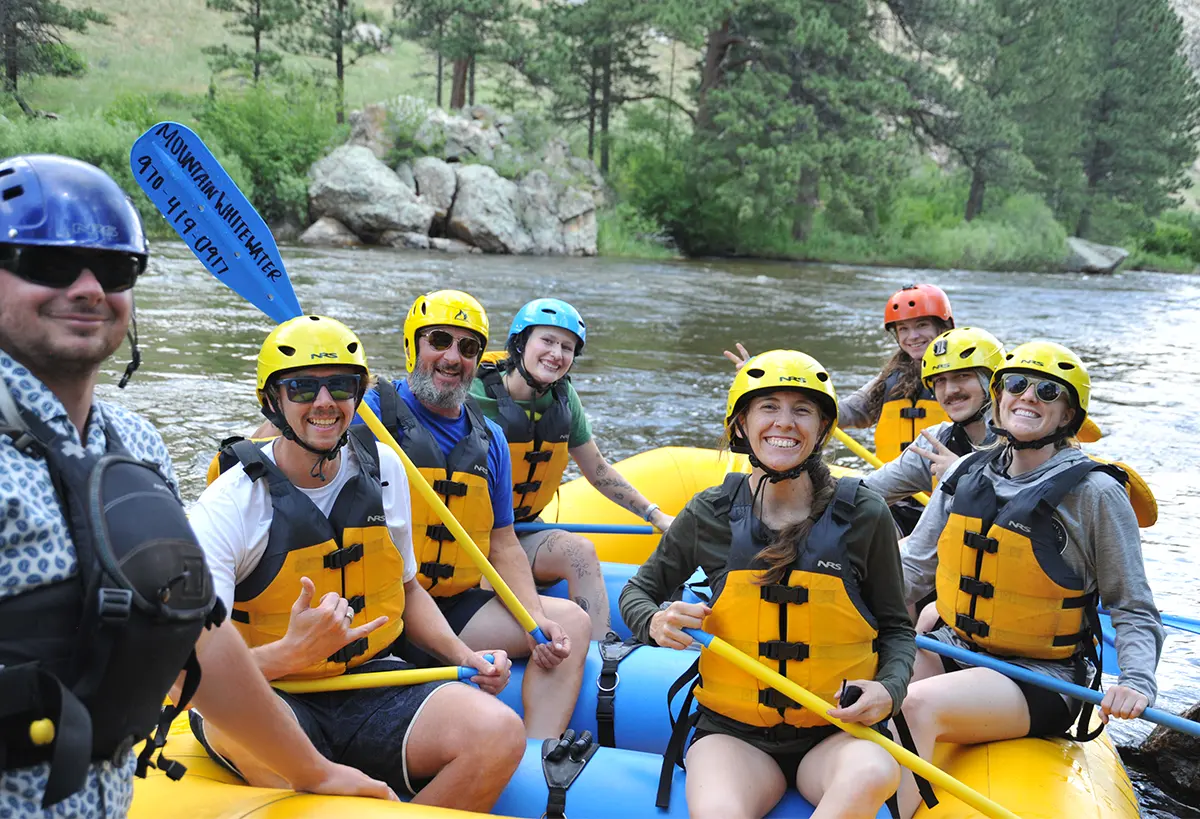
<point x="465" y="458"/>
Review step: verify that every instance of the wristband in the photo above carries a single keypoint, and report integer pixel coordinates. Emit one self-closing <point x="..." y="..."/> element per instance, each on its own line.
<point x="650" y="510"/>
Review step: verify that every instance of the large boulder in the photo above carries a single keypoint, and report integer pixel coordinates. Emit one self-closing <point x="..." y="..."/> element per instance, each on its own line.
<point x="538" y="204"/>
<point x="436" y="184"/>
<point x="458" y="139"/>
<point x="369" y="128"/>
<point x="358" y="190"/>
<point x="485" y="212"/>
<point x="1176" y="755"/>
<point x="329" y="232"/>
<point x="1088" y="257"/>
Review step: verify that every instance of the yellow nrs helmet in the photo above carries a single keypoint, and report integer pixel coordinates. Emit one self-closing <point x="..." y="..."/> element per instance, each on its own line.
<point x="778" y="370"/>
<point x="964" y="348"/>
<point x="309" y="341"/>
<point x="1052" y="361"/>
<point x="442" y="307"/>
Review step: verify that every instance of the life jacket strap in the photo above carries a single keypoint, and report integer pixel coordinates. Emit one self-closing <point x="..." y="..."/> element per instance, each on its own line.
<point x="450" y="489"/>
<point x="523" y="513"/>
<point x="784" y="595"/>
<point x="341" y="558"/>
<point x="975" y="540"/>
<point x="349" y="651"/>
<point x="912" y="412"/>
<point x="437" y="571"/>
<point x="969" y="625"/>
<point x="773" y="699"/>
<point x="526" y="487"/>
<point x="539" y="456"/>
<point x="783" y="650"/>
<point x="975" y="587"/>
<point x="439" y="532"/>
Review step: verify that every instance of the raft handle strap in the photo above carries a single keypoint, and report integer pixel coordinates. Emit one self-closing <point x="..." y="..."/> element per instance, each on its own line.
<point x="562" y="761"/>
<point x="612" y="651"/>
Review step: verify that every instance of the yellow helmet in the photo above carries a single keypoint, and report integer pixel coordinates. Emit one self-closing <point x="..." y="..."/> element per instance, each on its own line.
<point x="1052" y="361"/>
<point x="308" y="341"/>
<point x="964" y="348"/>
<point x="448" y="307"/>
<point x="777" y="370"/>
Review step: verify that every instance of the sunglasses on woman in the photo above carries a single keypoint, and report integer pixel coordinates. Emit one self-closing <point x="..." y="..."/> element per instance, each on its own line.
<point x="59" y="267"/>
<point x="305" y="389"/>
<point x="1046" y="391"/>
<point x="468" y="346"/>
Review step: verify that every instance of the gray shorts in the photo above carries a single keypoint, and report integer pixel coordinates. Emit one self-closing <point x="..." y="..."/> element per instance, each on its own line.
<point x="532" y="541"/>
<point x="366" y="729"/>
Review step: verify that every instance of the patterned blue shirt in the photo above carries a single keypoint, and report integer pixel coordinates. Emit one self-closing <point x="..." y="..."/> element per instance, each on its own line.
<point x="36" y="550"/>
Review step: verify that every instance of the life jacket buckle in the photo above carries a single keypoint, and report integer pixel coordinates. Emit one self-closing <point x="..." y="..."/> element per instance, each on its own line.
<point x="342" y="558"/>
<point x="358" y="602"/>
<point x="526" y="487"/>
<point x="789" y="595"/>
<point x="773" y="699"/>
<point x="912" y="412"/>
<point x="439" y="532"/>
<point x="349" y="651"/>
<point x="969" y="625"/>
<point x="115" y="605"/>
<point x="522" y="512"/>
<point x="437" y="571"/>
<point x="783" y="650"/>
<point x="976" y="587"/>
<point x="539" y="456"/>
<point x="451" y="489"/>
<point x="975" y="540"/>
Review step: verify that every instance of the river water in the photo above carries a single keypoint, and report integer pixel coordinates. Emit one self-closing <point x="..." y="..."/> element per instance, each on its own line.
<point x="653" y="374"/>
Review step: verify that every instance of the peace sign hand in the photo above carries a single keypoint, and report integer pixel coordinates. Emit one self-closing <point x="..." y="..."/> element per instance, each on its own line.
<point x="940" y="457"/>
<point x="739" y="358"/>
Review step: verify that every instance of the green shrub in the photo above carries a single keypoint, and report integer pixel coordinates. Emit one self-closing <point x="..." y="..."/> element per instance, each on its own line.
<point x="277" y="131"/>
<point x="623" y="231"/>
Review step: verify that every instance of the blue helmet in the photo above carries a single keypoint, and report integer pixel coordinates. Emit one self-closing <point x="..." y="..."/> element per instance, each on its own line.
<point x="55" y="201"/>
<point x="550" y="313"/>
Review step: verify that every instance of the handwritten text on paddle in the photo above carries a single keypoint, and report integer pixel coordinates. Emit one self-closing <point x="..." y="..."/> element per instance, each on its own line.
<point x="210" y="249"/>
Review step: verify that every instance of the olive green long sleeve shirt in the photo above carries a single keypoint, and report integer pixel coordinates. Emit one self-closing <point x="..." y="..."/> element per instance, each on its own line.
<point x="701" y="537"/>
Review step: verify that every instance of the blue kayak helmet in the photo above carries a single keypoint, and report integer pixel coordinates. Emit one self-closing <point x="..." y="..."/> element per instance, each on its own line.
<point x="542" y="313"/>
<point x="56" y="201"/>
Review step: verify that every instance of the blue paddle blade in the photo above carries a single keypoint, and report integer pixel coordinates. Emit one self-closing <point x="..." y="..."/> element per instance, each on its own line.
<point x="204" y="206"/>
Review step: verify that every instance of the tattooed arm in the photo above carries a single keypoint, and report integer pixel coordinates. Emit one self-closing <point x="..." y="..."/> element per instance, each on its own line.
<point x="613" y="485"/>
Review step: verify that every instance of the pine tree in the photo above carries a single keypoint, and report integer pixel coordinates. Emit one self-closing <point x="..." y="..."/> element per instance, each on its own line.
<point x="337" y="30"/>
<point x="259" y="20"/>
<point x="1142" y="119"/>
<point x="31" y="41"/>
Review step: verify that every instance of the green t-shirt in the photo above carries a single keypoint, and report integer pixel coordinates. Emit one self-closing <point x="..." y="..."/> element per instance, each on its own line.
<point x="581" y="429"/>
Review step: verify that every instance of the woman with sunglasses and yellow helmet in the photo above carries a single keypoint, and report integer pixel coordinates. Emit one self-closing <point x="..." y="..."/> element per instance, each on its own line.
<point x="957" y="368"/>
<point x="1021" y="542"/>
<point x="805" y="574"/>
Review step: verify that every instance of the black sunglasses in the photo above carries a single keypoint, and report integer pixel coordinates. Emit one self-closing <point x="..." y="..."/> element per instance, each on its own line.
<point x="468" y="346"/>
<point x="1046" y="391"/>
<point x="59" y="267"/>
<point x="304" y="389"/>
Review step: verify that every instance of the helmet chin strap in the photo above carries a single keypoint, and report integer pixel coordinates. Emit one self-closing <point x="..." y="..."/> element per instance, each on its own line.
<point x="519" y="361"/>
<point x="272" y="414"/>
<point x="1053" y="438"/>
<point x="135" y="355"/>
<point x="774" y="475"/>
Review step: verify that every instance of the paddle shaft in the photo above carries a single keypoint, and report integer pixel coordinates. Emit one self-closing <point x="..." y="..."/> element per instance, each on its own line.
<point x="584" y="528"/>
<point x="416" y="479"/>
<point x="818" y="706"/>
<point x="1078" y="692"/>
<point x="377" y="679"/>
<point x="225" y="232"/>
<point x="869" y="456"/>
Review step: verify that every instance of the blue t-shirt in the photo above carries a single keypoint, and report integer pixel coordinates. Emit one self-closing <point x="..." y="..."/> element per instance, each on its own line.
<point x="449" y="432"/>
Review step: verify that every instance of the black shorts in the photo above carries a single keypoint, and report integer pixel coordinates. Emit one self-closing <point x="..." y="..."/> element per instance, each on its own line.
<point x="1049" y="713"/>
<point x="458" y="611"/>
<point x="366" y="729"/>
<point x="786" y="755"/>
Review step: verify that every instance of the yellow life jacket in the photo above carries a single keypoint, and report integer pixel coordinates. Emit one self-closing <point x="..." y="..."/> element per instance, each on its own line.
<point x="350" y="552"/>
<point x="444" y="569"/>
<point x="1002" y="582"/>
<point x="814" y="629"/>
<point x="901" y="420"/>
<point x="539" y="448"/>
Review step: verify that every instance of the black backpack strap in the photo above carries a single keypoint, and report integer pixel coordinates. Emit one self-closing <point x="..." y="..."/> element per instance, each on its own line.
<point x="1093" y="653"/>
<point x="680" y="730"/>
<point x="612" y="651"/>
<point x="562" y="761"/>
<point x="14" y="426"/>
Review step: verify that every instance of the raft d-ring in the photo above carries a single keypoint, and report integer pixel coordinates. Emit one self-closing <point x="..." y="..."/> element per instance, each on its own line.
<point x="546" y="816"/>
<point x="604" y="690"/>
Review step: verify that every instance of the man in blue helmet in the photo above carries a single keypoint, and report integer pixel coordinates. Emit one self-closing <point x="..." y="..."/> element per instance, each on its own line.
<point x="104" y="593"/>
<point x="527" y="390"/>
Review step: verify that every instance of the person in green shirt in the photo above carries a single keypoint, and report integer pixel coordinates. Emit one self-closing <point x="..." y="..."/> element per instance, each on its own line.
<point x="806" y="568"/>
<point x="527" y="391"/>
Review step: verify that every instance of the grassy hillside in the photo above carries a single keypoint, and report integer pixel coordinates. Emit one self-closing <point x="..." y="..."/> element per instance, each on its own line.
<point x="155" y="47"/>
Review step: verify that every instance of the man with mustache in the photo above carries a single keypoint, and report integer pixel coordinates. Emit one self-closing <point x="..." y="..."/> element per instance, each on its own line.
<point x="957" y="367"/>
<point x="466" y="460"/>
<point x="104" y="592"/>
<point x="309" y="537"/>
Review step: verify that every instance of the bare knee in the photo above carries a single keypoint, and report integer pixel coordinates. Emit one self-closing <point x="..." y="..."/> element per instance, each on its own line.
<point x="578" y="625"/>
<point x="920" y="709"/>
<point x="876" y="776"/>
<point x="717" y="803"/>
<point x="495" y="741"/>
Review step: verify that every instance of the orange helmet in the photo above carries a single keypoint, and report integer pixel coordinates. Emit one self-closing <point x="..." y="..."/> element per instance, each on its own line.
<point x="918" y="301"/>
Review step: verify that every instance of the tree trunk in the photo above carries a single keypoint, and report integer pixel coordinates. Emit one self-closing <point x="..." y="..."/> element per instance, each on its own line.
<point x="458" y="85"/>
<point x="975" y="196"/>
<point x="440" y="64"/>
<point x="339" y="58"/>
<point x="471" y="82"/>
<point x="593" y="83"/>
<point x="257" y="40"/>
<point x="808" y="198"/>
<point x="712" y="73"/>
<point x="605" y="107"/>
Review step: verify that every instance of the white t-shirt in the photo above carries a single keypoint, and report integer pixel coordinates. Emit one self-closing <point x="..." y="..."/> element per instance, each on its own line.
<point x="232" y="518"/>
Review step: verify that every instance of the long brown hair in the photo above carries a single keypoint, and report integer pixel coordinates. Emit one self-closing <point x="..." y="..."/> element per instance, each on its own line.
<point x="780" y="554"/>
<point x="908" y="385"/>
